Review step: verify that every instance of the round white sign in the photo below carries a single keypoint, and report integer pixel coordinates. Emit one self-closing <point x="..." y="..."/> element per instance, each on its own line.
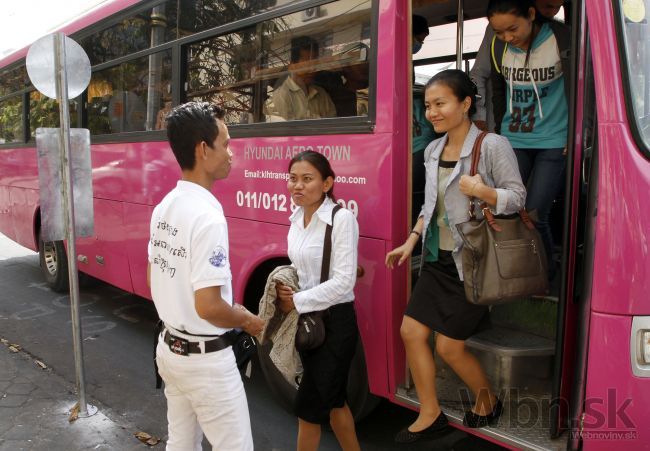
<point x="41" y="70"/>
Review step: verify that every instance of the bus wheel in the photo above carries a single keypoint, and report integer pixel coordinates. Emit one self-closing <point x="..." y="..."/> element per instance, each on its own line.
<point x="54" y="264"/>
<point x="360" y="400"/>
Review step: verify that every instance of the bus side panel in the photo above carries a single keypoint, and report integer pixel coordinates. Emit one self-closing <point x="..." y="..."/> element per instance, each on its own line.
<point x="621" y="269"/>
<point x="18" y="172"/>
<point x="139" y="174"/>
<point x="106" y="255"/>
<point x="256" y="188"/>
<point x="371" y="305"/>
<point x="394" y="116"/>
<point x="136" y="233"/>
<point x="616" y="402"/>
<point x="23" y="208"/>
<point x="6" y="223"/>
<point x="252" y="243"/>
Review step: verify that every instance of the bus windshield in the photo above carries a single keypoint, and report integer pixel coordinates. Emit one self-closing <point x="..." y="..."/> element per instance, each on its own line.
<point x="636" y="40"/>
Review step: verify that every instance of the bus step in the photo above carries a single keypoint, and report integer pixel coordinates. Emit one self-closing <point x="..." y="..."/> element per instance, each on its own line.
<point x="514" y="359"/>
<point x="536" y="315"/>
<point x="531" y="435"/>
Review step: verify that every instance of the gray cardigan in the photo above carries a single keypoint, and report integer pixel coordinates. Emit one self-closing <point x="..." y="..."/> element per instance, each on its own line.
<point x="498" y="169"/>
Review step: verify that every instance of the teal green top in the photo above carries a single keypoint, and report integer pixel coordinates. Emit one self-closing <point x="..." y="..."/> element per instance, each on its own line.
<point x="432" y="242"/>
<point x="438" y="234"/>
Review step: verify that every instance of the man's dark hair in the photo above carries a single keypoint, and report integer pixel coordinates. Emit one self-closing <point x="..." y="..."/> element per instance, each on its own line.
<point x="302" y="43"/>
<point x="419" y="25"/>
<point x="188" y="125"/>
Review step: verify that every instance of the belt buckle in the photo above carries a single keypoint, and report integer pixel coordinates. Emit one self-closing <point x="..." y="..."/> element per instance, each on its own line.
<point x="179" y="346"/>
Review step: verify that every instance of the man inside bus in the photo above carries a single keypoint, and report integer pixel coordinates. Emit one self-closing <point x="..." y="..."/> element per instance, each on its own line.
<point x="480" y="73"/>
<point x="297" y="97"/>
<point x="191" y="287"/>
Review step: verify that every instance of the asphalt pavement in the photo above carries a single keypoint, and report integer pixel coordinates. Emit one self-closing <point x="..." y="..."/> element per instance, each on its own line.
<point x="37" y="375"/>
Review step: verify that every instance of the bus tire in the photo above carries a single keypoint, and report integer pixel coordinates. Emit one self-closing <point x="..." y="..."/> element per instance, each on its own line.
<point x="54" y="264"/>
<point x="360" y="400"/>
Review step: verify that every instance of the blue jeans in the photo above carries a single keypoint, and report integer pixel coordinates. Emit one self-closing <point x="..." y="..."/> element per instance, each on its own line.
<point x="542" y="171"/>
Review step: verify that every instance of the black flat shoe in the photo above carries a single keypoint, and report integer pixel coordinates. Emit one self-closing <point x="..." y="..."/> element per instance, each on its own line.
<point x="440" y="424"/>
<point x="474" y="420"/>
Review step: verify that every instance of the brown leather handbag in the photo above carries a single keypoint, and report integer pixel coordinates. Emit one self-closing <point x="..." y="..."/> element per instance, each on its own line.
<point x="503" y="256"/>
<point x="311" y="327"/>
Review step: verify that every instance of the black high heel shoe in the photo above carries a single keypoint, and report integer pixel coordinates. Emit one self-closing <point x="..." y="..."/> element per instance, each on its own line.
<point x="474" y="420"/>
<point x="440" y="424"/>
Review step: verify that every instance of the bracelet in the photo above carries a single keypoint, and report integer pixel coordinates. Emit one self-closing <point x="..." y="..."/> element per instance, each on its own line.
<point x="416" y="232"/>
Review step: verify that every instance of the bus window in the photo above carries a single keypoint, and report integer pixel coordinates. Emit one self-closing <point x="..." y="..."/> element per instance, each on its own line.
<point x="13" y="80"/>
<point x="11" y="124"/>
<point x="163" y="23"/>
<point x="253" y="72"/>
<point x="129" y="97"/>
<point x="44" y="112"/>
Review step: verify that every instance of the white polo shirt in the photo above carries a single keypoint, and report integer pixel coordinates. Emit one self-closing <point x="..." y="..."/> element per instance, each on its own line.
<point x="188" y="250"/>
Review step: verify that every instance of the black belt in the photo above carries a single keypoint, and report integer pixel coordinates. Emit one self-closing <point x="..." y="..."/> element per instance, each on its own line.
<point x="181" y="346"/>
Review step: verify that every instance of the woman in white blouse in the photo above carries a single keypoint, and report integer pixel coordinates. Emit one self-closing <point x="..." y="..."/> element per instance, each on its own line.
<point x="322" y="393"/>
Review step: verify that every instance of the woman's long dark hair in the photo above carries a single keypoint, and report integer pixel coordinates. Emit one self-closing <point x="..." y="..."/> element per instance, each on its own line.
<point x="459" y="83"/>
<point x="518" y="8"/>
<point x="321" y="164"/>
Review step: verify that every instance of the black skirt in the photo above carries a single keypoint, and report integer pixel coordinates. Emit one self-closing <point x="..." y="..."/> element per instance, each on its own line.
<point x="438" y="301"/>
<point x="325" y="369"/>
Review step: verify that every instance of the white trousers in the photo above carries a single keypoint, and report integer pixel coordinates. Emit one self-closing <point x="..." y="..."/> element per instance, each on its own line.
<point x="205" y="395"/>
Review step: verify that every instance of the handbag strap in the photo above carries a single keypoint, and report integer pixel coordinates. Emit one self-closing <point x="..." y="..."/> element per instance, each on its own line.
<point x="487" y="213"/>
<point x="476" y="156"/>
<point x="327" y="248"/>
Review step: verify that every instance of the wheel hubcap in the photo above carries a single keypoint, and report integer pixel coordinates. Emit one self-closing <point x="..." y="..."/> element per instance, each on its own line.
<point x="49" y="254"/>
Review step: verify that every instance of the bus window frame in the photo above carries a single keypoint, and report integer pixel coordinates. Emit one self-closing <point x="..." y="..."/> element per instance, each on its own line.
<point x="642" y="144"/>
<point x="330" y="126"/>
<point x="327" y="126"/>
<point x="24" y="96"/>
<point x="340" y="125"/>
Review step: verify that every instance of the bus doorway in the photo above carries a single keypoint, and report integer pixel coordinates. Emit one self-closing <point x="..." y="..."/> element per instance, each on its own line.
<point x="524" y="352"/>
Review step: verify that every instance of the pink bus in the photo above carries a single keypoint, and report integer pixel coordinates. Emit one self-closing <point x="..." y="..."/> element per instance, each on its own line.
<point x="573" y="368"/>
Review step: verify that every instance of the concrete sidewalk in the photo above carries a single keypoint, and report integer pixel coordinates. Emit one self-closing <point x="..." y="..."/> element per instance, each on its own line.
<point x="34" y="411"/>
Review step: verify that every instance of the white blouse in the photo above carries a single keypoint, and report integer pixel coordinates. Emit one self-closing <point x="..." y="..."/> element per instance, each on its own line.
<point x="305" y="246"/>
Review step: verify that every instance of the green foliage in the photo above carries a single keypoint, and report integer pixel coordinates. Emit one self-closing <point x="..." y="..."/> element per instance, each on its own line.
<point x="11" y="128"/>
<point x="43" y="112"/>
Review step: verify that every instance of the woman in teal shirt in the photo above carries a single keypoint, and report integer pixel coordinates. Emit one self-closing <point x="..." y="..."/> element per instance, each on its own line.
<point x="530" y="87"/>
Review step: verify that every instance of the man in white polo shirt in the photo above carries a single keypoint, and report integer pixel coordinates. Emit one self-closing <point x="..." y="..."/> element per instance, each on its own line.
<point x="190" y="279"/>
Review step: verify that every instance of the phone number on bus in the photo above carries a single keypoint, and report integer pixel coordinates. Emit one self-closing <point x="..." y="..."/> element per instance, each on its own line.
<point x="279" y="202"/>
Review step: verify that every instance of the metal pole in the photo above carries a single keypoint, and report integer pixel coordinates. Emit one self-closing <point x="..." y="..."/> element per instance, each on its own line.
<point x="68" y="207"/>
<point x="459" y="36"/>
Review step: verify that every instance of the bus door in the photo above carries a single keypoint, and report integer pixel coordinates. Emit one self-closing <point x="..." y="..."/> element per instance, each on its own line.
<point x="527" y="350"/>
<point x="578" y="220"/>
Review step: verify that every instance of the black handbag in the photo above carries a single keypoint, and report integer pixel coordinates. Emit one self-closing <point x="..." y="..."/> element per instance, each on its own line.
<point x="244" y="347"/>
<point x="311" y="327"/>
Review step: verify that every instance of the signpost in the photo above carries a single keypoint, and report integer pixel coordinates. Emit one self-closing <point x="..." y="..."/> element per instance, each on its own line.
<point x="59" y="68"/>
